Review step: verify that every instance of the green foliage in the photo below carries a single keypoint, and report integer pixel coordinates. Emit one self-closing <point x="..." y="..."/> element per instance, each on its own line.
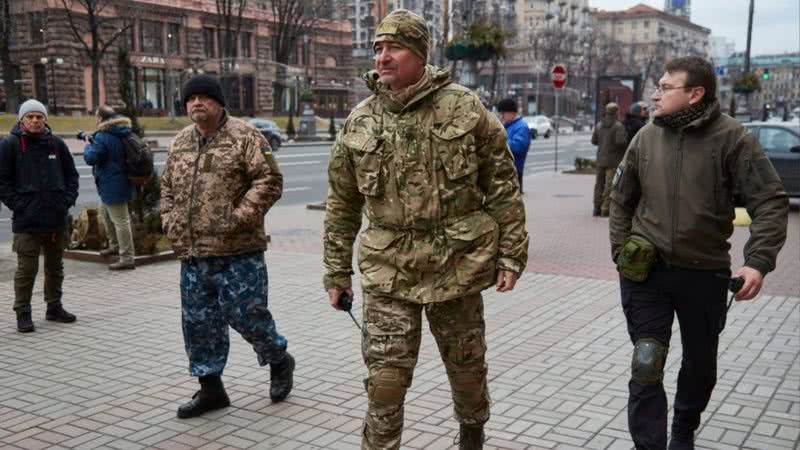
<point x="746" y="83"/>
<point x="307" y="96"/>
<point x="585" y="163"/>
<point x="481" y="41"/>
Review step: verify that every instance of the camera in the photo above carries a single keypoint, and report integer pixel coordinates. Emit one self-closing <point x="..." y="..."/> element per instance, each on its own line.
<point x="84" y="137"/>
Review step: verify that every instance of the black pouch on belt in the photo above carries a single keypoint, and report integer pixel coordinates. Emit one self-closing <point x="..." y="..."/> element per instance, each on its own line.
<point x="636" y="258"/>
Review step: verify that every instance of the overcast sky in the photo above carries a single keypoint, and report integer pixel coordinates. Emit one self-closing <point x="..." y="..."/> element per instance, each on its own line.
<point x="776" y="23"/>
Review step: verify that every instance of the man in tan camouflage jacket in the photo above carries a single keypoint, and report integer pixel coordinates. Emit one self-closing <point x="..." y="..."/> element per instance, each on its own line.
<point x="431" y="170"/>
<point x="219" y="181"/>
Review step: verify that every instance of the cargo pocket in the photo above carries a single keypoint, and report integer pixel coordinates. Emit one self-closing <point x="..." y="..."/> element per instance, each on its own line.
<point x="475" y="243"/>
<point x="369" y="162"/>
<point x="377" y="254"/>
<point x="457" y="151"/>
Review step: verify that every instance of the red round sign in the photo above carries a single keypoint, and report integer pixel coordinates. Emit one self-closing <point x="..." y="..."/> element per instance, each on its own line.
<point x="559" y="76"/>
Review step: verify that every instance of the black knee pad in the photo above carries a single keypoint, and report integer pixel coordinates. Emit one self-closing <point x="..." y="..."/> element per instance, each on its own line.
<point x="647" y="365"/>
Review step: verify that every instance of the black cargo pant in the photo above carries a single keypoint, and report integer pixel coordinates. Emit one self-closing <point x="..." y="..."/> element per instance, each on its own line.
<point x="698" y="299"/>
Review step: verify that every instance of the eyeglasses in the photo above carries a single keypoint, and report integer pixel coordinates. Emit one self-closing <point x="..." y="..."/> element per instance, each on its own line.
<point x="662" y="89"/>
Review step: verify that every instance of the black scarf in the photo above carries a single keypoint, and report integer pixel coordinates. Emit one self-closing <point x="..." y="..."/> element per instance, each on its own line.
<point x="680" y="119"/>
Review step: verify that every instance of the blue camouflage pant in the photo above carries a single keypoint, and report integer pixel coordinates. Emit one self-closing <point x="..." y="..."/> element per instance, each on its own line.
<point x="221" y="291"/>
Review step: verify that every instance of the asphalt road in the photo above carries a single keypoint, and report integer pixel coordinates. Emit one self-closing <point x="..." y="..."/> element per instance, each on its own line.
<point x="304" y="170"/>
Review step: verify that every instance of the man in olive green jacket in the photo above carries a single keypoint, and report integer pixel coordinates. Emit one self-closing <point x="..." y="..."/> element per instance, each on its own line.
<point x="430" y="168"/>
<point x="676" y="188"/>
<point x="611" y="141"/>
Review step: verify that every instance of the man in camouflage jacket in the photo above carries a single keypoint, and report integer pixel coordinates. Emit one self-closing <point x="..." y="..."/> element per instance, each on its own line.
<point x="432" y="172"/>
<point x="219" y="181"/>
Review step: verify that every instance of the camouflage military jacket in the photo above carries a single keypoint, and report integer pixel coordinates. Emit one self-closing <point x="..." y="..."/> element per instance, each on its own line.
<point x="214" y="196"/>
<point x="437" y="184"/>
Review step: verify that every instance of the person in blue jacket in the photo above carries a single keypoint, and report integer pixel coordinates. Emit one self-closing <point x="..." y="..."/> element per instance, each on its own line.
<point x="518" y="134"/>
<point x="106" y="154"/>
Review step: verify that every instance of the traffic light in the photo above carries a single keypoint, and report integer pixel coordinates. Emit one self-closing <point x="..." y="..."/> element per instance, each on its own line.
<point x="766" y="74"/>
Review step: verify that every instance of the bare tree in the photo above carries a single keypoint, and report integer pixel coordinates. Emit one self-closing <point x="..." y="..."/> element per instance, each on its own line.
<point x="229" y="22"/>
<point x="291" y="19"/>
<point x="102" y="31"/>
<point x="6" y="29"/>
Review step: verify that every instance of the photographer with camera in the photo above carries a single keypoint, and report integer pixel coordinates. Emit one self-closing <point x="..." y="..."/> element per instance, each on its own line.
<point x="105" y="152"/>
<point x="38" y="183"/>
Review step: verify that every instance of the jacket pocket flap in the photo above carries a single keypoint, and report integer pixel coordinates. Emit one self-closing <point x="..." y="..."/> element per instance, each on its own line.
<point x="378" y="239"/>
<point x="457" y="127"/>
<point x="361" y="141"/>
<point x="471" y="228"/>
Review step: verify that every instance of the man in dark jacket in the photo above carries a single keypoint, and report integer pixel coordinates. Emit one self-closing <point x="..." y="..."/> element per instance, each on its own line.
<point x="611" y="141"/>
<point x="39" y="183"/>
<point x="106" y="154"/>
<point x="518" y="135"/>
<point x="635" y="120"/>
<point x="676" y="190"/>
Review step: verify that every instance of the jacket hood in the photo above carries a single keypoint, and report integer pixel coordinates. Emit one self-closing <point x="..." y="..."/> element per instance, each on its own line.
<point x="118" y="125"/>
<point x="607" y="121"/>
<point x="438" y="79"/>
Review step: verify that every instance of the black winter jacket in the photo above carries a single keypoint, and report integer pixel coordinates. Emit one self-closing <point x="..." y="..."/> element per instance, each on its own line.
<point x="38" y="181"/>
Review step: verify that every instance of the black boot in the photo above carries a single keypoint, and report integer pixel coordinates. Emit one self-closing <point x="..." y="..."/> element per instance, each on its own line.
<point x="281" y="378"/>
<point x="24" y="322"/>
<point x="470" y="437"/>
<point x="211" y="396"/>
<point x="681" y="440"/>
<point x="56" y="312"/>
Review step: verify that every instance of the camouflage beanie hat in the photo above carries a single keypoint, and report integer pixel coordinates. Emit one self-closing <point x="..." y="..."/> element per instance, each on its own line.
<point x="407" y="29"/>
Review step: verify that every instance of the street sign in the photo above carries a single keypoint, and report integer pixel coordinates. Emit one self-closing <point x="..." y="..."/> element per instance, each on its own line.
<point x="559" y="76"/>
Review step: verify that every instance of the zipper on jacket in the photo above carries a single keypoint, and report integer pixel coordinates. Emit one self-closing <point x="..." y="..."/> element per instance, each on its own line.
<point x="676" y="191"/>
<point x="192" y="249"/>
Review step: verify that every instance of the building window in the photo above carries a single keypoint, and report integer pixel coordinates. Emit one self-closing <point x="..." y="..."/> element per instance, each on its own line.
<point x="153" y="87"/>
<point x="225" y="39"/>
<point x="247" y="51"/>
<point x="208" y="42"/>
<point x="173" y="39"/>
<point x="151" y="37"/>
<point x="127" y="37"/>
<point x="38" y="24"/>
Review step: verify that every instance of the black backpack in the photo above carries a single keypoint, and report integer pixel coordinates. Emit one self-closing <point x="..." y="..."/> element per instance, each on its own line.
<point x="138" y="160"/>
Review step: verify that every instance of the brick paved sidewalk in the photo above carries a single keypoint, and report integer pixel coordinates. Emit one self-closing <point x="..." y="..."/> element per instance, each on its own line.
<point x="559" y="357"/>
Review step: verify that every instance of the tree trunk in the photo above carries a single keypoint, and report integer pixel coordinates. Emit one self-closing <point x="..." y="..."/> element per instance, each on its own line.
<point x="495" y="68"/>
<point x="9" y="87"/>
<point x="96" y="81"/>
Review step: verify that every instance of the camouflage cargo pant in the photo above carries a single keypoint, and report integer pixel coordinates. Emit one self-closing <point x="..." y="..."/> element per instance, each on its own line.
<point x="28" y="246"/>
<point x="221" y="291"/>
<point x="390" y="346"/>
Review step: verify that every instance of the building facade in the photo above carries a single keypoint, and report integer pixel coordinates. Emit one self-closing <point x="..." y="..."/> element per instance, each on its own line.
<point x="168" y="42"/>
<point x="779" y="78"/>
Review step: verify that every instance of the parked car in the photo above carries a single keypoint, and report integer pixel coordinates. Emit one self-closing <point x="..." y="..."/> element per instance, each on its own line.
<point x="781" y="143"/>
<point x="540" y="124"/>
<point x="270" y="131"/>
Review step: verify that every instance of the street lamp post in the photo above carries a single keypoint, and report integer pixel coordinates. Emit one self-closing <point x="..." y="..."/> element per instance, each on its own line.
<point x="53" y="61"/>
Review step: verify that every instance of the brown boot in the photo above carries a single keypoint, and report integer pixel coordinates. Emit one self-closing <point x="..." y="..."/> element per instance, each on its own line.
<point x="109" y="252"/>
<point x="122" y="265"/>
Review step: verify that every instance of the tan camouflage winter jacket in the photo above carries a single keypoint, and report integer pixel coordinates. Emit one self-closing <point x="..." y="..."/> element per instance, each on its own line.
<point x="214" y="196"/>
<point x="437" y="183"/>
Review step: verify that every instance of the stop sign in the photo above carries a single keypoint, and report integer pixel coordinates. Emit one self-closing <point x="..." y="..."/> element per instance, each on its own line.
<point x="559" y="76"/>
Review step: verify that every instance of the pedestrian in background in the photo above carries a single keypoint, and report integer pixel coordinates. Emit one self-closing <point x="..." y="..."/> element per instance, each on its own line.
<point x="430" y="168"/>
<point x="635" y="119"/>
<point x="106" y="154"/>
<point x="672" y="213"/>
<point x="38" y="183"/>
<point x="518" y="135"/>
<point x="219" y="181"/>
<point x="610" y="138"/>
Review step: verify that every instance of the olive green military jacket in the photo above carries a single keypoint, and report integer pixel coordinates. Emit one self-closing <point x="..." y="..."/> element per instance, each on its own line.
<point x="214" y="196"/>
<point x="437" y="183"/>
<point x="678" y="189"/>
<point x="611" y="141"/>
